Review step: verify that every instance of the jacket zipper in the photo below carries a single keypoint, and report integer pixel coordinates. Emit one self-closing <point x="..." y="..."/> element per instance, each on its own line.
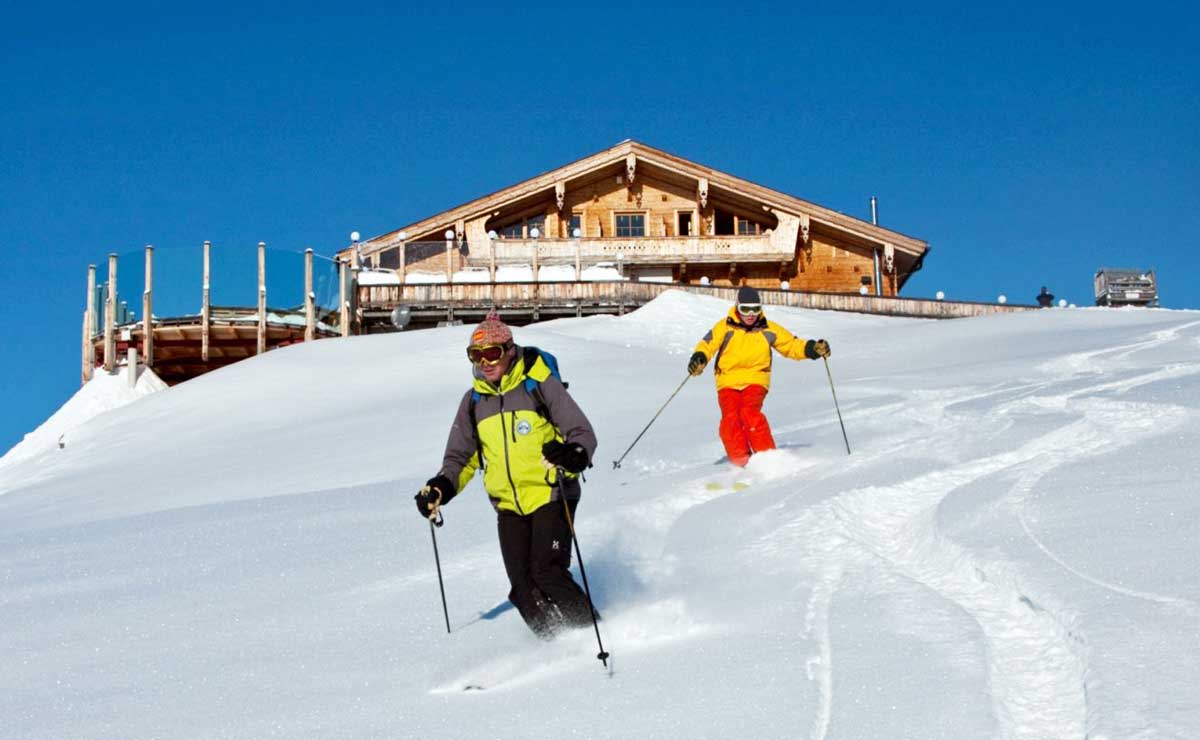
<point x="507" y="467"/>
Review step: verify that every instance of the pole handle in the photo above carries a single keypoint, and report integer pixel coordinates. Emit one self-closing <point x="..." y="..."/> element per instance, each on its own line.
<point x="435" y="509"/>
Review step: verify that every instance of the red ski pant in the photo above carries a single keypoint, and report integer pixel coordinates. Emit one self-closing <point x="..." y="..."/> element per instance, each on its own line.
<point x="744" y="429"/>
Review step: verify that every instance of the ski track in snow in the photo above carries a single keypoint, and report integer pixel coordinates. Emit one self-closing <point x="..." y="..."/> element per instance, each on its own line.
<point x="1036" y="656"/>
<point x="1037" y="660"/>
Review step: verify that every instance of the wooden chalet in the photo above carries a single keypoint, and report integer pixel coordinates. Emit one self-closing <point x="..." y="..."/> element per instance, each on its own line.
<point x="605" y="234"/>
<point x="650" y="216"/>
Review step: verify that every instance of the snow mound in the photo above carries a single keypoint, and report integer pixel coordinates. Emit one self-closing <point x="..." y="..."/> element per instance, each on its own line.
<point x="102" y="393"/>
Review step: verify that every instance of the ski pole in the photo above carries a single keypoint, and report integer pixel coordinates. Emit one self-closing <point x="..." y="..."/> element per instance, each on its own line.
<point x="602" y="656"/>
<point x="617" y="463"/>
<point x="435" y="519"/>
<point x="835" y="405"/>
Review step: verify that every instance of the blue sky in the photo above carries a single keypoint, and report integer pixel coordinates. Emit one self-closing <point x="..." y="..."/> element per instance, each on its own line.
<point x="1029" y="146"/>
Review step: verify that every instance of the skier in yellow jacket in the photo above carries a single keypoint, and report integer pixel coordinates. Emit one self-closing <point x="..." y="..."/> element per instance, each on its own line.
<point x="740" y="348"/>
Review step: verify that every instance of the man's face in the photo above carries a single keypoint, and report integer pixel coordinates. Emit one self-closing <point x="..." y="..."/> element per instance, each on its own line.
<point x="492" y="371"/>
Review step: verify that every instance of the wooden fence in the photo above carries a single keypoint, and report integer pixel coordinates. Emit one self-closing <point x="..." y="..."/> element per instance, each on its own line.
<point x="626" y="294"/>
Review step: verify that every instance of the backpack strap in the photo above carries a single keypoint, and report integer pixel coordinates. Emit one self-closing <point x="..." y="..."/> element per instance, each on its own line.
<point x="534" y="387"/>
<point x="475" y="426"/>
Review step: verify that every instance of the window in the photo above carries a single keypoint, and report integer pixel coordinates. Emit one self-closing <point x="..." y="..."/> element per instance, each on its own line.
<point x="631" y="224"/>
<point x="390" y="258"/>
<point x="521" y="228"/>
<point x="747" y="228"/>
<point x="724" y="222"/>
<point x="684" y="227"/>
<point x="576" y="223"/>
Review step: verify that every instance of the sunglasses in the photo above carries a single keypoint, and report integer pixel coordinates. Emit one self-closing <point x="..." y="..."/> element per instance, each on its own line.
<point x="487" y="354"/>
<point x="750" y="309"/>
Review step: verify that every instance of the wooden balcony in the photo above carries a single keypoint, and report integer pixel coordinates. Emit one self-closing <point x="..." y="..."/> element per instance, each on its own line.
<point x="645" y="250"/>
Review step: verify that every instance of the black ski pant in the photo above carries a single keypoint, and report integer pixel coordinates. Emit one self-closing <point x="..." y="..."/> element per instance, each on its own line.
<point x="537" y="557"/>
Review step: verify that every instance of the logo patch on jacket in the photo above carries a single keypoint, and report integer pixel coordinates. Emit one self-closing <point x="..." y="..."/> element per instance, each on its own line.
<point x="524" y="427"/>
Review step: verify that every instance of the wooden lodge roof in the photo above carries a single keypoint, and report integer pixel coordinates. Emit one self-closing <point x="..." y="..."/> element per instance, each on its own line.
<point x="662" y="163"/>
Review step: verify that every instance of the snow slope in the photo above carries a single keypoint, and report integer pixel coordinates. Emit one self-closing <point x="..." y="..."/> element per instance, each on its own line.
<point x="1010" y="551"/>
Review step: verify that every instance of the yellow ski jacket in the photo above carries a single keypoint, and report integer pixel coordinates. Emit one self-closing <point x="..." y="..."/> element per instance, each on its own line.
<point x="740" y="355"/>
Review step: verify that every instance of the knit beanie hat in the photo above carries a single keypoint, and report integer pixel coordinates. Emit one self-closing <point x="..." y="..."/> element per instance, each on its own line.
<point x="491" y="331"/>
<point x="748" y="295"/>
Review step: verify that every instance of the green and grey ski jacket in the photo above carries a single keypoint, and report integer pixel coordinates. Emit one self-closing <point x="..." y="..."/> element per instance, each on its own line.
<point x="509" y="431"/>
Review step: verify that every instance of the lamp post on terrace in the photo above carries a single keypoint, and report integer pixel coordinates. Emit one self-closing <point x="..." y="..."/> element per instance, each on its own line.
<point x="535" y="233"/>
<point x="449" y="235"/>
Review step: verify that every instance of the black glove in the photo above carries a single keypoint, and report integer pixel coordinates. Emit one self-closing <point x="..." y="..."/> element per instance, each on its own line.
<point x="570" y="457"/>
<point x="816" y="349"/>
<point x="697" y="363"/>
<point x="438" y="490"/>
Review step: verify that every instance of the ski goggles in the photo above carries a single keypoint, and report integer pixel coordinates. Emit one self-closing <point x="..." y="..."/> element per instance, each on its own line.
<point x="750" y="309"/>
<point x="486" y="354"/>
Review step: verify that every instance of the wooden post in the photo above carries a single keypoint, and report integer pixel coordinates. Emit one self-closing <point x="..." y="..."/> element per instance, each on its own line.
<point x="110" y="317"/>
<point x="578" y="262"/>
<point x="492" y="266"/>
<point x="89" y="327"/>
<point x="310" y="315"/>
<point x="343" y="304"/>
<point x="449" y="257"/>
<point x="535" y="261"/>
<point x="355" y="267"/>
<point x="148" y="309"/>
<point x="262" y="299"/>
<point x="205" y="307"/>
<point x="86" y="367"/>
<point x="403" y="262"/>
<point x="131" y="364"/>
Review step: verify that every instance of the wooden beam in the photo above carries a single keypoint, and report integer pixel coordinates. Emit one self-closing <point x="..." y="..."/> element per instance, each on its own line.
<point x="148" y="310"/>
<point x="262" y="298"/>
<point x="343" y="306"/>
<point x="205" y="307"/>
<point x="578" y="260"/>
<point x="403" y="261"/>
<point x="86" y="369"/>
<point x="110" y="311"/>
<point x="89" y="347"/>
<point x="310" y="314"/>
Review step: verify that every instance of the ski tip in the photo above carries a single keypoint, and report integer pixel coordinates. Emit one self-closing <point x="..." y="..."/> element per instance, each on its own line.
<point x="472" y="687"/>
